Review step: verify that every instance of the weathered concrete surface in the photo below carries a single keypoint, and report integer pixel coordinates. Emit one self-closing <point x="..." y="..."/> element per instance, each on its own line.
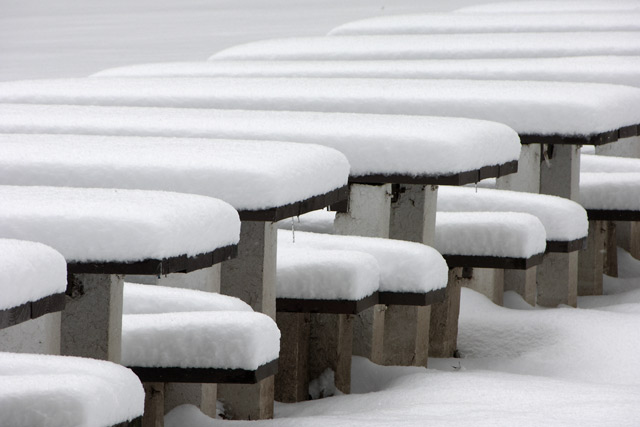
<point x="368" y="333"/>
<point x="558" y="279"/>
<point x="411" y="346"/>
<point x="292" y="379"/>
<point x="92" y="318"/>
<point x="489" y="282"/>
<point x="248" y="402"/>
<point x="330" y="346"/>
<point x="37" y="336"/>
<point x="203" y="396"/>
<point x="591" y="260"/>
<point x="443" y="331"/>
<point x="561" y="176"/>
<point x="523" y="282"/>
<point x="527" y="179"/>
<point x="611" y="250"/>
<point x="153" y="405"/>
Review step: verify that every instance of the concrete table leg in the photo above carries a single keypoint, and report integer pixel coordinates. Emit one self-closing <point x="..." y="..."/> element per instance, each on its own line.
<point x="292" y="379"/>
<point x="204" y="396"/>
<point x="252" y="278"/>
<point x="489" y="282"/>
<point x="37" y="336"/>
<point x="523" y="282"/>
<point x="406" y="331"/>
<point x="611" y="252"/>
<point x="527" y="179"/>
<point x="153" y="405"/>
<point x="92" y="318"/>
<point x="330" y="346"/>
<point x="443" y="331"/>
<point x="591" y="261"/>
<point x="628" y="237"/>
<point x="368" y="215"/>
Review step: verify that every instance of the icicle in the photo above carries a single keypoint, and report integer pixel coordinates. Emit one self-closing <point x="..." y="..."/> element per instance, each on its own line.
<point x="293" y="228"/>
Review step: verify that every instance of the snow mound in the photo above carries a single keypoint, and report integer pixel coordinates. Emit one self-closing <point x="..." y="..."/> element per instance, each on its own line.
<point x="595" y="163"/>
<point x="404" y="266"/>
<point x="307" y="273"/>
<point x="99" y="225"/>
<point x="610" y="191"/>
<point x="150" y="299"/>
<point x="563" y="219"/>
<point x="498" y="234"/>
<point x="210" y="339"/>
<point x="62" y="391"/>
<point x="395" y="144"/>
<point x="29" y="271"/>
<point x="249" y="175"/>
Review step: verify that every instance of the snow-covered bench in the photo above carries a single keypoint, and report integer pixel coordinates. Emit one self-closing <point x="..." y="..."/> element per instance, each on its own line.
<point x="554" y="6"/>
<point x="451" y="23"/>
<point x="173" y="335"/>
<point x="104" y="234"/>
<point x="264" y="180"/>
<point x="55" y="391"/>
<point x="412" y="152"/>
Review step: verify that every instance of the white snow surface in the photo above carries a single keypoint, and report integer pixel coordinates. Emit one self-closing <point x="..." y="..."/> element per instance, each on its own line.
<point x="249" y="175"/>
<point x="395" y="144"/>
<point x="62" y="391"/>
<point x="610" y="191"/>
<point x="320" y="221"/>
<point x="404" y="266"/>
<point x="563" y="219"/>
<point x="554" y="6"/>
<point x="526" y="106"/>
<point x="29" y="271"/>
<point x="308" y="273"/>
<point x="498" y="234"/>
<point x="438" y="46"/>
<point x="99" y="225"/>
<point x="589" y="69"/>
<point x="596" y="163"/>
<point x="450" y="23"/>
<point x="200" y="339"/>
<point x="151" y="299"/>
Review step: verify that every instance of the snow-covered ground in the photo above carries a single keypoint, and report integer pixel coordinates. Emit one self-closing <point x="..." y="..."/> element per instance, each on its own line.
<point x="520" y="367"/>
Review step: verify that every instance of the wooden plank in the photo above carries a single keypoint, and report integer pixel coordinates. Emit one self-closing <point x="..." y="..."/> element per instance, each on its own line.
<point x="612" y="215"/>
<point x="413" y="298"/>
<point x="566" y="246"/>
<point x="31" y="310"/>
<point x="13" y="316"/>
<point x="593" y="139"/>
<point x="296" y="305"/>
<point x="492" y="261"/>
<point x="206" y="375"/>
<point x="136" y="422"/>
<point x="156" y="267"/>
<point x="48" y="304"/>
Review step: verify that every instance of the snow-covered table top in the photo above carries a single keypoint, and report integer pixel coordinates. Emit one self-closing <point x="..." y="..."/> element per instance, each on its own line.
<point x="503" y="235"/>
<point x="596" y="163"/>
<point x="249" y="175"/>
<point x="624" y="70"/>
<point x="151" y="299"/>
<point x="200" y="339"/>
<point x="604" y="194"/>
<point x="554" y="6"/>
<point x="29" y="271"/>
<point x="424" y="147"/>
<point x="60" y="391"/>
<point x="438" y="46"/>
<point x="565" y="221"/>
<point x="310" y="274"/>
<point x="404" y="266"/>
<point x="102" y="226"/>
<point x="451" y="23"/>
<point x="530" y="108"/>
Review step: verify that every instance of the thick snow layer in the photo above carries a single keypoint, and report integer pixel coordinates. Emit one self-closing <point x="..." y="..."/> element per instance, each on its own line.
<point x="499" y="234"/>
<point x="99" y="225"/>
<point x="200" y="339"/>
<point x="29" y="271"/>
<point x="563" y="219"/>
<point x="554" y="6"/>
<point x="610" y="191"/>
<point x="59" y="391"/>
<point x="526" y="106"/>
<point x="448" y="23"/>
<point x="249" y="175"/>
<point x="404" y="266"/>
<point x="595" y="163"/>
<point x="589" y="69"/>
<point x="308" y="273"/>
<point x="394" y="144"/>
<point x="438" y="46"/>
<point x="150" y="299"/>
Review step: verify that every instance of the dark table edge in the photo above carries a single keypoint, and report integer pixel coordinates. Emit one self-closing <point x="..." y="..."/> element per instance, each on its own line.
<point x="31" y="310"/>
<point x="566" y="246"/>
<point x="612" y="215"/>
<point x="297" y="305"/>
<point x="592" y="139"/>
<point x="475" y="261"/>
<point x="416" y="299"/>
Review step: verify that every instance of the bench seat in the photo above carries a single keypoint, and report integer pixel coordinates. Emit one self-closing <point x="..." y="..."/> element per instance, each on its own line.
<point x="56" y="391"/>
<point x="553" y="6"/>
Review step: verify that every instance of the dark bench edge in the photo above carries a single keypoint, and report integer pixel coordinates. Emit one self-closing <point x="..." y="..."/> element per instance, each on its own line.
<point x="296" y="305"/>
<point x="157" y="267"/>
<point x="298" y="208"/>
<point x="612" y="215"/>
<point x="562" y="246"/>
<point x="31" y="310"/>
<point x="206" y="375"/>
<point x="461" y="178"/>
<point x="593" y="139"/>
<point x="136" y="422"/>
<point x="416" y="299"/>
<point x="510" y="263"/>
